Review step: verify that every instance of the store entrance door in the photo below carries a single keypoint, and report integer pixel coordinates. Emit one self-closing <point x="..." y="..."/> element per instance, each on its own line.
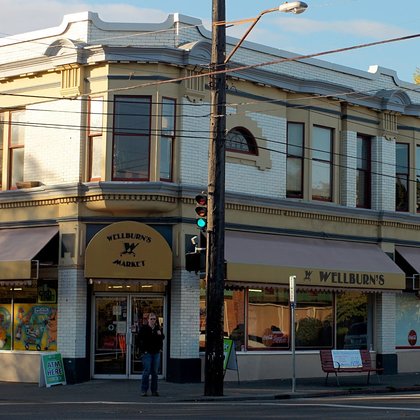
<point x="116" y="323"/>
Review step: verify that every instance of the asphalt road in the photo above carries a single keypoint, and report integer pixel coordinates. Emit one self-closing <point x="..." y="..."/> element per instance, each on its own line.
<point x="394" y="406"/>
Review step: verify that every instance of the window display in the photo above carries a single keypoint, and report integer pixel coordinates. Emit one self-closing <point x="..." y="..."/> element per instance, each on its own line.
<point x="28" y="317"/>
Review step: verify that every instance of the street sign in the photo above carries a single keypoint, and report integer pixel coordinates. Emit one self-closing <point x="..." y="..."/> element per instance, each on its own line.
<point x="52" y="370"/>
<point x="292" y="285"/>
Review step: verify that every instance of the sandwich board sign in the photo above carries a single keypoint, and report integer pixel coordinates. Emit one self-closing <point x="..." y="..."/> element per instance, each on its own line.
<point x="52" y="370"/>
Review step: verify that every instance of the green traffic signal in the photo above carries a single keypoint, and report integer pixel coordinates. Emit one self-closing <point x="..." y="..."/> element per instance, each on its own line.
<point x="201" y="223"/>
<point x="201" y="210"/>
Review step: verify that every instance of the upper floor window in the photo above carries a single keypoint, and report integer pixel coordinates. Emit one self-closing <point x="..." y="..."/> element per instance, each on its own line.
<point x="322" y="162"/>
<point x="418" y="178"/>
<point x="295" y="159"/>
<point x="239" y="139"/>
<point x="167" y="138"/>
<point x="401" y="177"/>
<point x="131" y="145"/>
<point x="16" y="146"/>
<point x="363" y="173"/>
<point x="1" y="148"/>
<point x="96" y="155"/>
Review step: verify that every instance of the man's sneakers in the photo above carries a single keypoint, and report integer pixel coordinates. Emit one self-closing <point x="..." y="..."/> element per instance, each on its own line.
<point x="155" y="394"/>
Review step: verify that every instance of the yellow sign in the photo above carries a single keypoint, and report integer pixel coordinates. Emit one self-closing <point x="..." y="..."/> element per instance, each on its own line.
<point x="128" y="250"/>
<point x="311" y="277"/>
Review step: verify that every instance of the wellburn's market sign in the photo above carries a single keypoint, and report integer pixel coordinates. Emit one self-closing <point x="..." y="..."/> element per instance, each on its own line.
<point x="314" y="277"/>
<point x="128" y="250"/>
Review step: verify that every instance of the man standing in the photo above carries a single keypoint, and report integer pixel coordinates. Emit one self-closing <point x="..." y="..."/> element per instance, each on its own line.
<point x="150" y="342"/>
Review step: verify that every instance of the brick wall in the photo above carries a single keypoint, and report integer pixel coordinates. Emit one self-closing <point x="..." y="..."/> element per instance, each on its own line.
<point x="72" y="315"/>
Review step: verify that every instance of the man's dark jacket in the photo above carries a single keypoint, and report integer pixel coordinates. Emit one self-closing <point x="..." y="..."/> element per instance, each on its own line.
<point x="148" y="340"/>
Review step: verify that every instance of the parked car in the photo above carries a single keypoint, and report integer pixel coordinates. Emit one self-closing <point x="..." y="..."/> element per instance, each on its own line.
<point x="356" y="337"/>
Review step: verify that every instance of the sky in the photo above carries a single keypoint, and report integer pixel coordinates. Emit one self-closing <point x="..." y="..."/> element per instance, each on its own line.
<point x="326" y="25"/>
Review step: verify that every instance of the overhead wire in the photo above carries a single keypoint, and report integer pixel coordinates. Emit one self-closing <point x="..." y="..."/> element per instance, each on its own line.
<point x="236" y="69"/>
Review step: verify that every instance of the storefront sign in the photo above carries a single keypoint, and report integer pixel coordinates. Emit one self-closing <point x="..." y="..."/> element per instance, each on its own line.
<point x="255" y="273"/>
<point x="229" y="352"/>
<point x="128" y="250"/>
<point x="412" y="338"/>
<point x="52" y="370"/>
<point x="346" y="358"/>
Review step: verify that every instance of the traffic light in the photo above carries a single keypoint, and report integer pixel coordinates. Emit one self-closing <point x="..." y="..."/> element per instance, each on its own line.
<point x="196" y="260"/>
<point x="193" y="261"/>
<point x="201" y="211"/>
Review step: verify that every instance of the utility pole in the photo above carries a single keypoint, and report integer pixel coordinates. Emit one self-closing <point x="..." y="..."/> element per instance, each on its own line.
<point x="215" y="272"/>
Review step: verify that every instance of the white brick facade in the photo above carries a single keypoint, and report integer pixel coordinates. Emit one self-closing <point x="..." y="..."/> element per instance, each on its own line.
<point x="53" y="145"/>
<point x="348" y="167"/>
<point x="185" y="315"/>
<point x="385" y="322"/>
<point x="383" y="174"/>
<point x="72" y="304"/>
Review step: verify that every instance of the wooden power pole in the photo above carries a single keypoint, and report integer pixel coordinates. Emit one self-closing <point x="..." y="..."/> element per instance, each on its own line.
<point x="215" y="271"/>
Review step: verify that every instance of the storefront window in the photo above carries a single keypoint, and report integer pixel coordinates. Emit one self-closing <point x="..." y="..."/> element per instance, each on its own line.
<point x="234" y="318"/>
<point x="314" y="319"/>
<point x="352" y="321"/>
<point x="28" y="317"/>
<point x="268" y="319"/>
<point x="260" y="319"/>
<point x="408" y="320"/>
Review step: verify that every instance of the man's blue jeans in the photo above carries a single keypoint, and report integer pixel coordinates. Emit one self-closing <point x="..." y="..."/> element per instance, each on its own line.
<point x="151" y="364"/>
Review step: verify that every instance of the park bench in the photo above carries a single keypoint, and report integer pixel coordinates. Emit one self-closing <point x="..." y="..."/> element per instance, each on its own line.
<point x="347" y="361"/>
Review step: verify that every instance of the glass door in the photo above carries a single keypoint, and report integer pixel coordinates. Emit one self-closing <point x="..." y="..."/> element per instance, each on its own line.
<point x="117" y="321"/>
<point x="140" y="309"/>
<point x="110" y="335"/>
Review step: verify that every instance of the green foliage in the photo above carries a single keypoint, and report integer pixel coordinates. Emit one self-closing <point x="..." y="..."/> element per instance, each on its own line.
<point x="308" y="331"/>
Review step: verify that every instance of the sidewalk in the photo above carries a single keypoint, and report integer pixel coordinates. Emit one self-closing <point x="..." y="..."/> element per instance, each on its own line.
<point x="129" y="390"/>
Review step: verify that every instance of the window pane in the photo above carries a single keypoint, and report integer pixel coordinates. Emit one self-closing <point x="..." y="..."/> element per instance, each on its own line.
<point x="352" y="321"/>
<point x="314" y="319"/>
<point x="363" y="175"/>
<point x="361" y="192"/>
<point x="321" y="143"/>
<point x="268" y="319"/>
<point x="165" y="158"/>
<point x="401" y="192"/>
<point x="1" y="146"/>
<point x="321" y="180"/>
<point x="131" y="157"/>
<point x="294" y="166"/>
<point x="295" y="139"/>
<point x="168" y="117"/>
<point x="132" y="115"/>
<point x="96" y="115"/>
<point x="97" y="157"/>
<point x="362" y="153"/>
<point x="234" y="317"/>
<point x="18" y="128"/>
<point x="402" y="176"/>
<point x="294" y="177"/>
<point x="241" y="140"/>
<point x="1" y="130"/>
<point x="402" y="158"/>
<point x="418" y="177"/>
<point x="16" y="158"/>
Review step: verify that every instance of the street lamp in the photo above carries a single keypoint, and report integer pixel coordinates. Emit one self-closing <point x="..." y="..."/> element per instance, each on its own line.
<point x="296" y="7"/>
<point x="215" y="261"/>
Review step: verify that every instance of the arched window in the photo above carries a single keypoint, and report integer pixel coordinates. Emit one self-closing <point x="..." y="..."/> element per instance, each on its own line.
<point x="239" y="139"/>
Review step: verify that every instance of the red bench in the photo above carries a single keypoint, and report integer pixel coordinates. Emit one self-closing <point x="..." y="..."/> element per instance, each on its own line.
<point x="328" y="365"/>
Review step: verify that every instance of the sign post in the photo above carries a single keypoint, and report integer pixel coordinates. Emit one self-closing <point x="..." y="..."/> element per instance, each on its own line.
<point x="292" y="286"/>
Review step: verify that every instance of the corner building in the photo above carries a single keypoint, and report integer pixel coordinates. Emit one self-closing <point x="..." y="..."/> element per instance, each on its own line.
<point x="104" y="144"/>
